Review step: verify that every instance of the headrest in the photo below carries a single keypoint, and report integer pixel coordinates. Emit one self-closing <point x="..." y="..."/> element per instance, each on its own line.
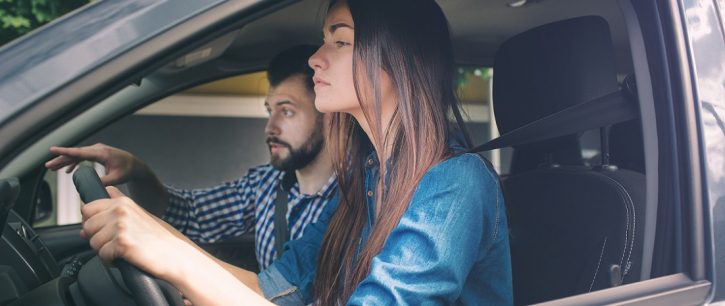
<point x="549" y="68"/>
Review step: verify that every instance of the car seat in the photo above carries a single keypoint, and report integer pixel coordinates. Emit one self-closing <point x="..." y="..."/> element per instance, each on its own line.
<point x="573" y="229"/>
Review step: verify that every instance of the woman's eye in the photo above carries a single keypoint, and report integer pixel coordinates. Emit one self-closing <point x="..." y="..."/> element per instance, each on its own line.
<point x="269" y="112"/>
<point x="288" y="112"/>
<point x="340" y="44"/>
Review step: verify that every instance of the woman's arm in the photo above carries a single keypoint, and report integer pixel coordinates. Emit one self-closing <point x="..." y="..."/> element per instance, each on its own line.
<point x="246" y="277"/>
<point x="204" y="282"/>
<point x="119" y="228"/>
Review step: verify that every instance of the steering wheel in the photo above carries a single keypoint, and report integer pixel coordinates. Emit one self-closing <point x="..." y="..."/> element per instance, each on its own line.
<point x="145" y="289"/>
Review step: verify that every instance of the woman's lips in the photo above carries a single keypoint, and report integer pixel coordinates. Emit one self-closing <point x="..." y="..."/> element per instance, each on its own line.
<point x="319" y="82"/>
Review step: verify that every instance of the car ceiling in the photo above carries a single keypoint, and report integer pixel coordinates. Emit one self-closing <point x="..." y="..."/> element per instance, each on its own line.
<point x="478" y="27"/>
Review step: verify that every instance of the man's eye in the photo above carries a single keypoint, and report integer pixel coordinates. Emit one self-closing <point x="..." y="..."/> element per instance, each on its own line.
<point x="340" y="44"/>
<point x="269" y="112"/>
<point x="288" y="112"/>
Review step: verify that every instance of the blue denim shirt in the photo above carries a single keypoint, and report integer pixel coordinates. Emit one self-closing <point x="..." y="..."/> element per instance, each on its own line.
<point x="450" y="247"/>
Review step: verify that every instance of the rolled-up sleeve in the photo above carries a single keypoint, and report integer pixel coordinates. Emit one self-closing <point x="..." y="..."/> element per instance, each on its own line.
<point x="455" y="219"/>
<point x="277" y="289"/>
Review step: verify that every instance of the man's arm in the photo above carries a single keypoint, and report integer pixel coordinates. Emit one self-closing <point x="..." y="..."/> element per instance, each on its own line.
<point x="121" y="167"/>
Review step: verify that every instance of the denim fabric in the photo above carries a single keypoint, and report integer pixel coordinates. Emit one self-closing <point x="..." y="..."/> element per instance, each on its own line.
<point x="450" y="247"/>
<point x="277" y="289"/>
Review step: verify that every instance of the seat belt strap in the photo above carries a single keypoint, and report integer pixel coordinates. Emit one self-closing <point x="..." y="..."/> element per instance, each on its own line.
<point x="281" y="234"/>
<point x="603" y="111"/>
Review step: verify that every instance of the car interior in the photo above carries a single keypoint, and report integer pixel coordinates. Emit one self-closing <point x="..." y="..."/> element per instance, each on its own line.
<point x="582" y="226"/>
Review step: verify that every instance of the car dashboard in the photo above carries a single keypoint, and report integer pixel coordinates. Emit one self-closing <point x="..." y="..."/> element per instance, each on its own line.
<point x="30" y="275"/>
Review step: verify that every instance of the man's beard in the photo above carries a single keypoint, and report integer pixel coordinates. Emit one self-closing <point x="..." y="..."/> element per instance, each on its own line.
<point x="301" y="157"/>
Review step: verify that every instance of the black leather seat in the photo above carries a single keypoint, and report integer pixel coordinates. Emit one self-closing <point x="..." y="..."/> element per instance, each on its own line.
<point x="572" y="227"/>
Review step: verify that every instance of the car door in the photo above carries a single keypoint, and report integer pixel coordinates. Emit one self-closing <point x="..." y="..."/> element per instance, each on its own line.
<point x="50" y="77"/>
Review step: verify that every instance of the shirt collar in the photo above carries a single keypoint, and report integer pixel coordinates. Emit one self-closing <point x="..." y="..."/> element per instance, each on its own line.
<point x="327" y="190"/>
<point x="289" y="181"/>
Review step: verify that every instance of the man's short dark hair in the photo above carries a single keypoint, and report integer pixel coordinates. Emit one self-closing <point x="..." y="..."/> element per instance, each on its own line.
<point x="290" y="62"/>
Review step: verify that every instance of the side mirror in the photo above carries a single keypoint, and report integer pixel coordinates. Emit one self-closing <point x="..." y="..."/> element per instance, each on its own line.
<point x="9" y="191"/>
<point x="43" y="203"/>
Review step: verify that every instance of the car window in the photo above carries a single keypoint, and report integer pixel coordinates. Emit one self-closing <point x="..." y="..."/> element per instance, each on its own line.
<point x="475" y="98"/>
<point x="194" y="139"/>
<point x="707" y="49"/>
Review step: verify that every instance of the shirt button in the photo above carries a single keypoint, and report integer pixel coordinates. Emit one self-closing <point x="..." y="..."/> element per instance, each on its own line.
<point x="370" y="161"/>
<point x="370" y="193"/>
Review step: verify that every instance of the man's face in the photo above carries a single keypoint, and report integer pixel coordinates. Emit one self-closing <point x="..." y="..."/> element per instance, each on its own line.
<point x="294" y="130"/>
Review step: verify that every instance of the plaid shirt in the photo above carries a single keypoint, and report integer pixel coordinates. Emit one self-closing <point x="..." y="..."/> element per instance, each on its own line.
<point x="242" y="206"/>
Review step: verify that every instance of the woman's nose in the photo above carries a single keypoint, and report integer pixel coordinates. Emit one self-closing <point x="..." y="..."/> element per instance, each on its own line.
<point x="317" y="60"/>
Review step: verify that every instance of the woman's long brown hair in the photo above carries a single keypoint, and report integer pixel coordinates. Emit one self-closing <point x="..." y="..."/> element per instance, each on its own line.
<point x="410" y="41"/>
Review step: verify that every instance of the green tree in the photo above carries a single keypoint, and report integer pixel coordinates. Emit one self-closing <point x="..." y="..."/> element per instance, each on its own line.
<point x="18" y="17"/>
<point x="465" y="72"/>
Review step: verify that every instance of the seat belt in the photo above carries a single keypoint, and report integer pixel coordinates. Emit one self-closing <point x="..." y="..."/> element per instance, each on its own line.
<point x="281" y="232"/>
<point x="616" y="107"/>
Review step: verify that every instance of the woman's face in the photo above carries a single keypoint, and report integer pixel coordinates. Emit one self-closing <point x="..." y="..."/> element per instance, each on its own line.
<point x="334" y="87"/>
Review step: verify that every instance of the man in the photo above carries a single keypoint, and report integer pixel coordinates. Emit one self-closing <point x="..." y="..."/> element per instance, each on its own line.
<point x="298" y="158"/>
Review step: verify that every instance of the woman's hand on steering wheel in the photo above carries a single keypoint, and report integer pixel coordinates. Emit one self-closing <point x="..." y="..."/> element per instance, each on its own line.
<point x="119" y="228"/>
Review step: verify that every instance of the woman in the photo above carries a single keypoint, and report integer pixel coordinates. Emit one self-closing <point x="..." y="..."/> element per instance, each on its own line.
<point x="431" y="230"/>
